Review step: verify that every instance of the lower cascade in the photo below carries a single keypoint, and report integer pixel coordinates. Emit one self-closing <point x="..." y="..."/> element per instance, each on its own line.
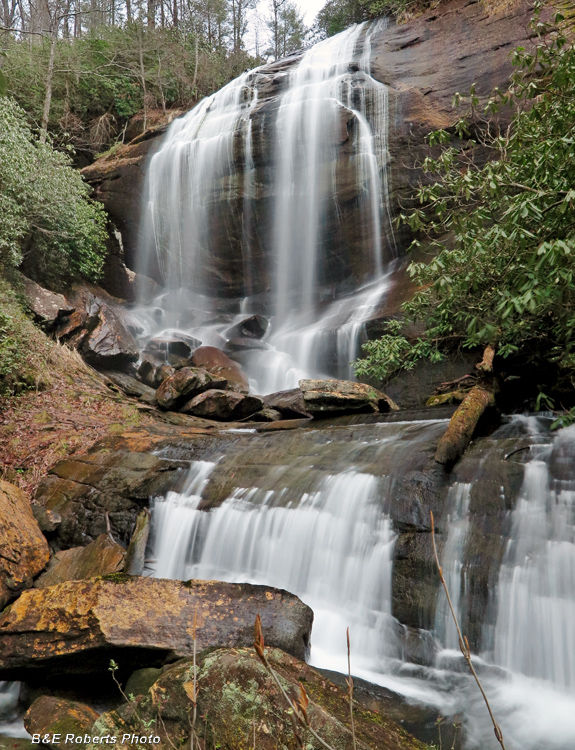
<point x="333" y="536"/>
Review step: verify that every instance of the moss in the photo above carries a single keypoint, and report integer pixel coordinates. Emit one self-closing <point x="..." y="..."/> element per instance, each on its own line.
<point x="117" y="578"/>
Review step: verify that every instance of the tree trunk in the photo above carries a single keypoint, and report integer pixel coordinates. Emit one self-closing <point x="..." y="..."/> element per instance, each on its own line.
<point x="128" y="11"/>
<point x="463" y="423"/>
<point x="48" y="95"/>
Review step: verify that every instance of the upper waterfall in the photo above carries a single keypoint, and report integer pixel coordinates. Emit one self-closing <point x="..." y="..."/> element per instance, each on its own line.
<point x="271" y="197"/>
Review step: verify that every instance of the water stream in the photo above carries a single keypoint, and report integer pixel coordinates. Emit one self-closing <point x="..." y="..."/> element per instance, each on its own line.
<point x="322" y="517"/>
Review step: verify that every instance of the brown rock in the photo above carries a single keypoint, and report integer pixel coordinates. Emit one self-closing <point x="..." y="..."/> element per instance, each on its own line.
<point x="48" y="520"/>
<point x="110" y="345"/>
<point x="184" y="385"/>
<point x="76" y="627"/>
<point x="289" y="403"/>
<point x="267" y="415"/>
<point x="342" y="397"/>
<point x="217" y="363"/>
<point x="101" y="557"/>
<point x="70" y="324"/>
<point x="225" y="406"/>
<point x="24" y="551"/>
<point x="172" y="343"/>
<point x="49" y="715"/>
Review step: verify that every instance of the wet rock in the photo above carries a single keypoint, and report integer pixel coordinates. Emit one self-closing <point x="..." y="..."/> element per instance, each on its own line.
<point x="217" y="363"/>
<point x="24" y="551"/>
<point x="46" y="519"/>
<point x="50" y="716"/>
<point x="244" y="344"/>
<point x="77" y="627"/>
<point x="106" y="481"/>
<point x="46" y="306"/>
<point x="267" y="415"/>
<point x="289" y="403"/>
<point x="225" y="406"/>
<point x="254" y="327"/>
<point x="153" y="373"/>
<point x="70" y="324"/>
<point x="172" y="343"/>
<point x="323" y="397"/>
<point x="101" y="557"/>
<point x="184" y="384"/>
<point x="16" y="743"/>
<point x="238" y="696"/>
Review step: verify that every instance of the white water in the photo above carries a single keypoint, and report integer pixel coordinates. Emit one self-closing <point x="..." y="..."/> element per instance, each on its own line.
<point x="205" y="190"/>
<point x="328" y="538"/>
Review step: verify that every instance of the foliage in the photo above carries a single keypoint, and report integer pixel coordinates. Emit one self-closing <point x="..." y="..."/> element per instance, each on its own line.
<point x="24" y="350"/>
<point x="505" y="274"/>
<point x="47" y="217"/>
<point x="337" y="15"/>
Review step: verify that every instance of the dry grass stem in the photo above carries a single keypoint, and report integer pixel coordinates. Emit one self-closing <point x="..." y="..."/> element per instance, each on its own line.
<point x="463" y="642"/>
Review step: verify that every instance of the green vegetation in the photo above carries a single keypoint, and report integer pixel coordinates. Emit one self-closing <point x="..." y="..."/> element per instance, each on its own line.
<point x="48" y="220"/>
<point x="502" y="233"/>
<point x="337" y="15"/>
<point x="25" y="352"/>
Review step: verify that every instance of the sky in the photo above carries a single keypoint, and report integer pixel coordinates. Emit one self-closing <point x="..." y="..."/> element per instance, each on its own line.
<point x="310" y="9"/>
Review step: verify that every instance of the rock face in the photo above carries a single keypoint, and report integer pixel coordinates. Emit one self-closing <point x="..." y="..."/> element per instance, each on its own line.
<point x="325" y="397"/>
<point x="224" y="406"/>
<point x="101" y="557"/>
<point x="254" y="327"/>
<point x="77" y="627"/>
<point x="217" y="363"/>
<point x="237" y="697"/>
<point x="48" y="715"/>
<point x="184" y="384"/>
<point x="24" y="551"/>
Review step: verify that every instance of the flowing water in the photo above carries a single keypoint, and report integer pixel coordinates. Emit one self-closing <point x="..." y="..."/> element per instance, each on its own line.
<point x="232" y="234"/>
<point x="321" y="514"/>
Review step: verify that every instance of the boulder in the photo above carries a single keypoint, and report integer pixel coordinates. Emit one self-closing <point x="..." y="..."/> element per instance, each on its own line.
<point x="254" y="327"/>
<point x="24" y="551"/>
<point x="242" y="707"/>
<point x="172" y="343"/>
<point x="77" y="627"/>
<point x="16" y="743"/>
<point x="153" y="373"/>
<point x="244" y="344"/>
<point x="101" y="557"/>
<point x="109" y="344"/>
<point x="142" y="680"/>
<point x="47" y="520"/>
<point x="329" y="397"/>
<point x="225" y="406"/>
<point x="289" y="403"/>
<point x="53" y="716"/>
<point x="184" y="384"/>
<point x="46" y="306"/>
<point x="69" y="324"/>
<point x="217" y="363"/>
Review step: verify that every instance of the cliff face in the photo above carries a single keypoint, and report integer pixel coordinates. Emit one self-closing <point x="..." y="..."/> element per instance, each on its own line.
<point x="423" y="63"/>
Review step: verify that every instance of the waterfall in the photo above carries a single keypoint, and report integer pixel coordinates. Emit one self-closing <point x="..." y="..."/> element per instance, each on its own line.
<point x="272" y="197"/>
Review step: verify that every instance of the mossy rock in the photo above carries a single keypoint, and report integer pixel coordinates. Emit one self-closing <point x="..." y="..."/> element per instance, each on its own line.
<point x="237" y="697"/>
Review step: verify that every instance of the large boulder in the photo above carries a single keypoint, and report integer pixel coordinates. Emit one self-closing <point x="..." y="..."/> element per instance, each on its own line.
<point x="289" y="403"/>
<point x="330" y="397"/>
<point x="24" y="551"/>
<point x="241" y="707"/>
<point x="184" y="384"/>
<point x="77" y="627"/>
<point x="217" y="363"/>
<point x="58" y="716"/>
<point x="101" y="557"/>
<point x="109" y="344"/>
<point x="225" y="406"/>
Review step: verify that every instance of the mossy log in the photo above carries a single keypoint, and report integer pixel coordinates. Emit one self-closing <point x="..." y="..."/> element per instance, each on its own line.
<point x="136" y="553"/>
<point x="462" y="425"/>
